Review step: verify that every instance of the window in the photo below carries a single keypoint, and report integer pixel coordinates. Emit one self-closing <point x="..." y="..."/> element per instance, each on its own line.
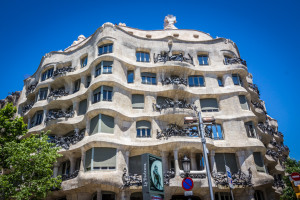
<point x="102" y="93"/>
<point x="106" y="48"/>
<point x="82" y="107"/>
<point x="98" y="70"/>
<point x="200" y="161"/>
<point x="214" y="131"/>
<point x="77" y="85"/>
<point x="228" y="159"/>
<point x="226" y="60"/>
<point x="65" y="168"/>
<point x="196" y="81"/>
<point x="47" y="74"/>
<point x="88" y="81"/>
<point x="43" y="93"/>
<point x="83" y="61"/>
<point x="209" y="105"/>
<point x="143" y="129"/>
<point x="100" y="158"/>
<point x="130" y="76"/>
<point x="237" y="80"/>
<point x="148" y="78"/>
<point x="203" y="59"/>
<point x="37" y="118"/>
<point x="135" y="165"/>
<point x="259" y="195"/>
<point x="250" y="129"/>
<point x="106" y="67"/>
<point x="259" y="162"/>
<point x="223" y="196"/>
<point x="220" y="81"/>
<point x="142" y="56"/>
<point x="102" y="123"/>
<point x="137" y="101"/>
<point x="243" y="102"/>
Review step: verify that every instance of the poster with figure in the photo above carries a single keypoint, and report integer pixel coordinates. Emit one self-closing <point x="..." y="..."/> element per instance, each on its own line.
<point x="153" y="183"/>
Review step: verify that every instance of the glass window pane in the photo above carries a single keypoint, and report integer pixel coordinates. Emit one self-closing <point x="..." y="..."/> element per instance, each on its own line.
<point x="148" y="80"/>
<point x="130" y="76"/>
<point x="191" y="82"/>
<point x="109" y="96"/>
<point x="196" y="81"/>
<point x="110" y="48"/>
<point x="143" y="79"/>
<point x="142" y="57"/>
<point x="219" y="129"/>
<point x="137" y="56"/>
<point x="138" y="132"/>
<point x="201" y="81"/>
<point x="153" y="80"/>
<point x="235" y="79"/>
<point x="148" y="133"/>
<point x="144" y="132"/>
<point x="105" y="49"/>
<point x="104" y="94"/>
<point x="147" y="57"/>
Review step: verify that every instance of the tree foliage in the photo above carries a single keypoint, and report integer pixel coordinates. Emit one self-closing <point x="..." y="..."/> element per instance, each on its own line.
<point x="26" y="161"/>
<point x="291" y="165"/>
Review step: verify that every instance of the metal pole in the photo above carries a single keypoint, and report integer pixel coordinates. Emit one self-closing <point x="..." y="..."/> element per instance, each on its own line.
<point x="231" y="194"/>
<point x="203" y="140"/>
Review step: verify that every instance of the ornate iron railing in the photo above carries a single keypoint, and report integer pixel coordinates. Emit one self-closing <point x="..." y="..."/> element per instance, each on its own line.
<point x="174" y="81"/>
<point x="27" y="107"/>
<point x="278" y="183"/>
<point x="194" y="175"/>
<point x="65" y="177"/>
<point x="274" y="154"/>
<point x="58" y="93"/>
<point x="269" y="129"/>
<point x="58" y="114"/>
<point x="170" y="103"/>
<point x="63" y="70"/>
<point x="238" y="179"/>
<point x="175" y="130"/>
<point x="65" y="142"/>
<point x="31" y="88"/>
<point x="254" y="87"/>
<point x="131" y="180"/>
<point x="169" y="175"/>
<point x="164" y="57"/>
<point x="258" y="104"/>
<point x="230" y="61"/>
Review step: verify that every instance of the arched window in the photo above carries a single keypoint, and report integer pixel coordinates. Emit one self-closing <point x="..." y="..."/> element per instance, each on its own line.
<point x="143" y="128"/>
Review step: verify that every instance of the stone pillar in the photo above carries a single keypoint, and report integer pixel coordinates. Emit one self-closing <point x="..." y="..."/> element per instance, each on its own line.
<point x="176" y="163"/>
<point x="193" y="161"/>
<point x="55" y="169"/>
<point x="82" y="81"/>
<point x="82" y="160"/>
<point x="165" y="163"/>
<point x="75" y="107"/>
<point x="87" y="128"/>
<point x="127" y="153"/>
<point x="44" y="114"/>
<point x="90" y="98"/>
<point x="72" y="164"/>
<point x="241" y="160"/>
<point x="49" y="89"/>
<point x="251" y="194"/>
<point x="29" y="122"/>
<point x="227" y="80"/>
<point x="99" y="194"/>
<point x="212" y="161"/>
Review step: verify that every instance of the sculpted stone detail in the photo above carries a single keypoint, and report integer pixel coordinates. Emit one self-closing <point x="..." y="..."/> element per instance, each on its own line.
<point x="58" y="114"/>
<point x="65" y="142"/>
<point x="170" y="103"/>
<point x="31" y="88"/>
<point x="239" y="179"/>
<point x="164" y="57"/>
<point x="79" y="39"/>
<point x="169" y="22"/>
<point x="174" y="81"/>
<point x="63" y="70"/>
<point x="169" y="175"/>
<point x="58" y="93"/>
<point x="131" y="180"/>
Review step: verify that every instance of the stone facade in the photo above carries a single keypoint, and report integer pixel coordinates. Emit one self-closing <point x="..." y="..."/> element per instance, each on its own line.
<point x="123" y="92"/>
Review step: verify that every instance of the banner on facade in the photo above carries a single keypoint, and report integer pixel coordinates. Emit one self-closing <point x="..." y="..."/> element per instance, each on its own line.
<point x="229" y="177"/>
<point x="153" y="183"/>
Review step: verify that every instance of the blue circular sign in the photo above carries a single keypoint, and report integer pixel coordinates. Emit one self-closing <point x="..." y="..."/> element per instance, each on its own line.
<point x="187" y="184"/>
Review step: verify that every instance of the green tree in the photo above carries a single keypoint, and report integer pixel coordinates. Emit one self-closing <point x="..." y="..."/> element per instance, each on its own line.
<point x="26" y="161"/>
<point x="291" y="165"/>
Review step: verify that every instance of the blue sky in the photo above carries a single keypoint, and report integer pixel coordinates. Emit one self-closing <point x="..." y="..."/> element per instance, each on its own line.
<point x="266" y="33"/>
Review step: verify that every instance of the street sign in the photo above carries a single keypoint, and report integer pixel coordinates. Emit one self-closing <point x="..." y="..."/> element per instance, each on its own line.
<point x="296" y="183"/>
<point x="187" y="184"/>
<point x="229" y="177"/>
<point x="295" y="176"/>
<point x="188" y="193"/>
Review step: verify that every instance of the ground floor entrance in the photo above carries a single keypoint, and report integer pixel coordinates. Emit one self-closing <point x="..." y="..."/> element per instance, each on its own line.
<point x="182" y="197"/>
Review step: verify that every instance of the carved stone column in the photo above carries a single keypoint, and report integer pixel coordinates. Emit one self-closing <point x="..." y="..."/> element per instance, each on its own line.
<point x="99" y="194"/>
<point x="212" y="161"/>
<point x="193" y="161"/>
<point x="28" y="123"/>
<point x="82" y="160"/>
<point x="241" y="160"/>
<point x="87" y="128"/>
<point x="55" y="169"/>
<point x="82" y="81"/>
<point x="90" y="98"/>
<point x="227" y="80"/>
<point x="176" y="163"/>
<point x="165" y="162"/>
<point x="44" y="114"/>
<point x="75" y="107"/>
<point x="72" y="164"/>
<point x="127" y="153"/>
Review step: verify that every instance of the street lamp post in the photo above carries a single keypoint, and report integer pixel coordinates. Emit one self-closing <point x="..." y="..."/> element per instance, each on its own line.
<point x="186" y="165"/>
<point x="190" y="120"/>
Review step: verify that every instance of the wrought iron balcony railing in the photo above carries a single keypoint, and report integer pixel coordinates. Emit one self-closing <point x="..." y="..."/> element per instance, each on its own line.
<point x="65" y="177"/>
<point x="238" y="179"/>
<point x="164" y="57"/>
<point x="254" y="87"/>
<point x="58" y="93"/>
<point x="258" y="104"/>
<point x="175" y="130"/>
<point x="65" y="142"/>
<point x="278" y="183"/>
<point x="31" y="88"/>
<point x="235" y="60"/>
<point x="63" y="70"/>
<point x="58" y="114"/>
<point x="170" y="103"/>
<point x="174" y="81"/>
<point x="274" y="154"/>
<point x="27" y="107"/>
<point x="131" y="180"/>
<point x="169" y="175"/>
<point x="269" y="129"/>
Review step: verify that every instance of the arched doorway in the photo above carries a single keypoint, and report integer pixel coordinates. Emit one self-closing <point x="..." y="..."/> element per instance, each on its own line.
<point x="182" y="197"/>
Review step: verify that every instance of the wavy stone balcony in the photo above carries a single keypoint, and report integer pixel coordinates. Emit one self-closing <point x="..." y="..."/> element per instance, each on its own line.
<point x="254" y="88"/>
<point x="57" y="93"/>
<point x="67" y="141"/>
<point x="27" y="107"/>
<point x="55" y="114"/>
<point x="239" y="179"/>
